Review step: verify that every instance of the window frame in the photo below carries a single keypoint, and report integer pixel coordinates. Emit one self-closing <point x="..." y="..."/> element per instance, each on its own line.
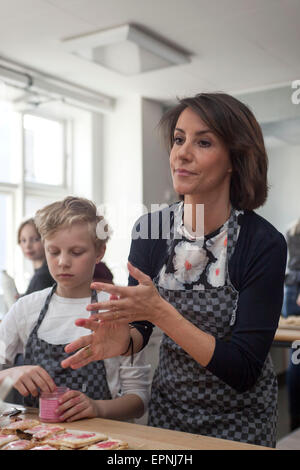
<point x="19" y="191"/>
<point x="66" y="127"/>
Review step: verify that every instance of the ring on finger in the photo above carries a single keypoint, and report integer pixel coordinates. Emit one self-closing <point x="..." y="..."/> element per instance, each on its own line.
<point x="88" y="351"/>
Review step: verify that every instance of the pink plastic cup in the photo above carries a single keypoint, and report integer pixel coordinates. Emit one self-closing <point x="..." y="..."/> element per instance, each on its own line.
<point x="49" y="403"/>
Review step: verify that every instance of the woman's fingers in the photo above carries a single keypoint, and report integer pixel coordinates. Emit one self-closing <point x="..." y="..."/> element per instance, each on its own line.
<point x="90" y="324"/>
<point x="141" y="277"/>
<point x="117" y="315"/>
<point x="114" y="304"/>
<point x="78" y="343"/>
<point x="83" y="357"/>
<point x="79" y="359"/>
<point x="109" y="288"/>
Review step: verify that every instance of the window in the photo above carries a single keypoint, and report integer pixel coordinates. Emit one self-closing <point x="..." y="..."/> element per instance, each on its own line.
<point x="44" y="151"/>
<point x="6" y="217"/>
<point x="10" y="144"/>
<point x="34" y="172"/>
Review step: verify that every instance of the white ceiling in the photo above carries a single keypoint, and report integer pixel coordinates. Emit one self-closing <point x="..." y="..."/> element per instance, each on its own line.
<point x="237" y="45"/>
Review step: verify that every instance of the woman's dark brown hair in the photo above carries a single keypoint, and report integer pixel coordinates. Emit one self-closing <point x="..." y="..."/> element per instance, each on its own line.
<point x="233" y="122"/>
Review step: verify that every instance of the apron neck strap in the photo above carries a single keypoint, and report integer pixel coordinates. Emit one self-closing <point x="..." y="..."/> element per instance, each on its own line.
<point x="232" y="232"/>
<point x="44" y="308"/>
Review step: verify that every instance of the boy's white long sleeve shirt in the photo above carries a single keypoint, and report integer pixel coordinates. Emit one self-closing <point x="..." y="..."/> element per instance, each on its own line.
<point x="58" y="327"/>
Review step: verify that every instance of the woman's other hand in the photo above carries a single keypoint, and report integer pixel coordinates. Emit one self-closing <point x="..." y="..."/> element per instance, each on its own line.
<point x="110" y="328"/>
<point x="107" y="340"/>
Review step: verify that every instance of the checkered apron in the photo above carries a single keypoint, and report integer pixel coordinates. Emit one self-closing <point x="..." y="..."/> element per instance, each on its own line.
<point x="187" y="397"/>
<point x="90" y="379"/>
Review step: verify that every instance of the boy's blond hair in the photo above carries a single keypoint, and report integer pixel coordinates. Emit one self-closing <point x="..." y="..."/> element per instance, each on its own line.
<point x="70" y="211"/>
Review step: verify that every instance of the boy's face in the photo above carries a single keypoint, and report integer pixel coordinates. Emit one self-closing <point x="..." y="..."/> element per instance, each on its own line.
<point x="71" y="257"/>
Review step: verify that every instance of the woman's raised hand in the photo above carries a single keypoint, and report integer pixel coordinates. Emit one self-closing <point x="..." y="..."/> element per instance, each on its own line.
<point x="132" y="303"/>
<point x="110" y="330"/>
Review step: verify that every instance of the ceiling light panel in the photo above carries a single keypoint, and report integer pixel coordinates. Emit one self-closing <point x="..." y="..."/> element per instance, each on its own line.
<point x="126" y="49"/>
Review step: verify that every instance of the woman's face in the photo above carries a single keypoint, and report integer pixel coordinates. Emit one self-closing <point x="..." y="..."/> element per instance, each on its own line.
<point x="199" y="160"/>
<point x="31" y="244"/>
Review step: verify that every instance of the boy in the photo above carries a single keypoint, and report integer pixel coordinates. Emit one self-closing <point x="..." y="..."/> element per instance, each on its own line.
<point x="44" y="322"/>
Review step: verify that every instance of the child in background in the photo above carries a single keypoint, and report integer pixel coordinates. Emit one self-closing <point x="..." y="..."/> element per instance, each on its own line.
<point x="44" y="322"/>
<point x="33" y="249"/>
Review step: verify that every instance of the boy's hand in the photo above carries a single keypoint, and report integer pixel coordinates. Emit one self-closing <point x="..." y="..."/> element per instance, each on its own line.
<point x="75" y="405"/>
<point x="31" y="380"/>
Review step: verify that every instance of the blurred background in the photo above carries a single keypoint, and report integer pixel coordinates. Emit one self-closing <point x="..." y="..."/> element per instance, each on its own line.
<point x="83" y="84"/>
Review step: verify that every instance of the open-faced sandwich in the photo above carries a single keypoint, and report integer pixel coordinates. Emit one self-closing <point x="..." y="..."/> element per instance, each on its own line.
<point x="19" y="425"/>
<point x="6" y="438"/>
<point x="75" y="439"/>
<point x="20" y="444"/>
<point x="109" y="444"/>
<point x="43" y="447"/>
<point x="41" y="431"/>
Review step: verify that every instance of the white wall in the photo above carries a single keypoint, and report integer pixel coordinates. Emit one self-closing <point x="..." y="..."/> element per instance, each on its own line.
<point x="136" y="172"/>
<point x="283" y="204"/>
<point x="271" y="105"/>
<point x="97" y="158"/>
<point x="275" y="105"/>
<point x="82" y="169"/>
<point x="157" y="181"/>
<point x="122" y="179"/>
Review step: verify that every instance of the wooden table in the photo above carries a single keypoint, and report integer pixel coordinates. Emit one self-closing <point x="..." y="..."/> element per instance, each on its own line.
<point x="284" y="337"/>
<point x="141" y="437"/>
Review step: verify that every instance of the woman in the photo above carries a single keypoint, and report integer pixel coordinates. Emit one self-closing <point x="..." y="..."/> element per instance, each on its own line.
<point x="214" y="288"/>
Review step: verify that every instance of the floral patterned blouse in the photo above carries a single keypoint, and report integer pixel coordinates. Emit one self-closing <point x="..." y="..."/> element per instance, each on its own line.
<point x="195" y="263"/>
